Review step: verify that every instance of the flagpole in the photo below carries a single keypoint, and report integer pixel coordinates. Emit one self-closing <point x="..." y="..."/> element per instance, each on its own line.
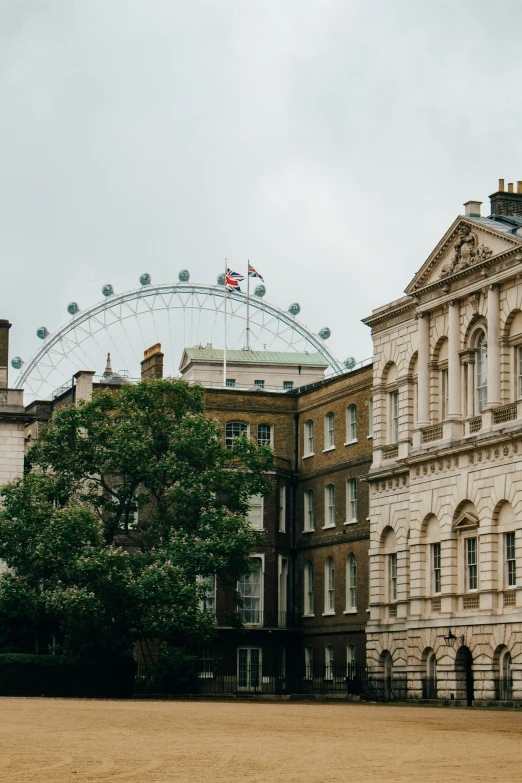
<point x="248" y="308"/>
<point x="225" y="349"/>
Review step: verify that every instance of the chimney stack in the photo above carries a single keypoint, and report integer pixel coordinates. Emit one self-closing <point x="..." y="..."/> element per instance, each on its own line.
<point x="472" y="208"/>
<point x="152" y="364"/>
<point x="508" y="202"/>
<point x="4" y="351"/>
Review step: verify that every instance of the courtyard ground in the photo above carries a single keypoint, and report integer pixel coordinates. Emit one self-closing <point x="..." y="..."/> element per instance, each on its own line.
<point x="54" y="740"/>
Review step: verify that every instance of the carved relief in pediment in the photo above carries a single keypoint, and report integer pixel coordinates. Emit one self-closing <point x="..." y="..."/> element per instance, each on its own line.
<point x="466" y="252"/>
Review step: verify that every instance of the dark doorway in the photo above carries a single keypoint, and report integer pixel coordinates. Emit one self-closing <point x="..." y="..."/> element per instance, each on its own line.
<point x="464" y="675"/>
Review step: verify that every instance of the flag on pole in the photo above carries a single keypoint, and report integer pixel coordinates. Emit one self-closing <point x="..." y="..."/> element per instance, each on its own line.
<point x="232" y="281"/>
<point x="253" y="273"/>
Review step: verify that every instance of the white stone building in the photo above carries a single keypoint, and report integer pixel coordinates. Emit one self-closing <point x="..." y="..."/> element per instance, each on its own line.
<point x="12" y="416"/>
<point x="446" y="479"/>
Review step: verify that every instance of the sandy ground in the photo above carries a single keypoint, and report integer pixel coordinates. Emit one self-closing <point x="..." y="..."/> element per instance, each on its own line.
<point x="47" y="740"/>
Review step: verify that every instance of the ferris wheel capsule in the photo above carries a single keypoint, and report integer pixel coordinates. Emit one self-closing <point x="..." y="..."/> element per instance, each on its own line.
<point x="324" y="333"/>
<point x="145" y="279"/>
<point x="16" y="363"/>
<point x="221" y="279"/>
<point x="295" y="308"/>
<point x="72" y="308"/>
<point x="260" y="291"/>
<point x="349" y="363"/>
<point x="107" y="290"/>
<point x="184" y="276"/>
<point x="42" y="332"/>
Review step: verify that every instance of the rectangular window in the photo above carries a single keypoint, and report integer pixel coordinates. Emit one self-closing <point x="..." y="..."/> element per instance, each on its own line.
<point x="370" y="417"/>
<point x="206" y="663"/>
<point x="308" y="498"/>
<point x="329" y="436"/>
<point x="329" y="506"/>
<point x="519" y="352"/>
<point x="328" y="662"/>
<point x="444" y="393"/>
<point x="435" y="569"/>
<point x="264" y="434"/>
<point x="351" y="491"/>
<point x="259" y="384"/>
<point x="351" y="423"/>
<point x="287" y="385"/>
<point x="511" y="562"/>
<point x="309" y="662"/>
<point x="471" y="564"/>
<point x="249" y="668"/>
<point x="208" y="599"/>
<point x="394" y="412"/>
<point x="255" y="513"/>
<point x="230" y="382"/>
<point x="250" y="588"/>
<point x="282" y="508"/>
<point x="308" y="588"/>
<point x="283" y="591"/>
<point x="308" y="438"/>
<point x="392" y="576"/>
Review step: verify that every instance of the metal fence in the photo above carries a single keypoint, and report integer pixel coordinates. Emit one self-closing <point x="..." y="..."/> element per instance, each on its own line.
<point x="210" y="677"/>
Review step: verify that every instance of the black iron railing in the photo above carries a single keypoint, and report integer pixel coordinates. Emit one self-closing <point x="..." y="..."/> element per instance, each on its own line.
<point x="503" y="688"/>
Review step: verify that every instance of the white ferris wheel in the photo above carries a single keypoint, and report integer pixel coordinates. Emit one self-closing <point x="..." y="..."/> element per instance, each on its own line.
<point x="177" y="315"/>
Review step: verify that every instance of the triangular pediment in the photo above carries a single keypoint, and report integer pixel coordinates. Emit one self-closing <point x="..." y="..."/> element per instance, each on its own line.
<point x="466" y="244"/>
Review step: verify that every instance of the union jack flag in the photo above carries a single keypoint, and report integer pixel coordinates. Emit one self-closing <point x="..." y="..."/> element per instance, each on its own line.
<point x="232" y="281"/>
<point x="252" y="272"/>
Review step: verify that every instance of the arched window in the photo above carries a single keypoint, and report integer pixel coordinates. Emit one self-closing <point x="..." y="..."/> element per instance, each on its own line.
<point x="328" y="662"/>
<point x="351" y="500"/>
<point x="433" y="556"/>
<point x="233" y="429"/>
<point x="351" y="424"/>
<point x="429" y="681"/>
<point x="391" y="380"/>
<point x="308" y="438"/>
<point x="265" y="435"/>
<point x="351" y="583"/>
<point x="329" y="435"/>
<point x="329" y="586"/>
<point x="481" y="372"/>
<point x="390" y="553"/>
<point x="350" y="661"/>
<point x="308" y="588"/>
<point x="329" y="506"/>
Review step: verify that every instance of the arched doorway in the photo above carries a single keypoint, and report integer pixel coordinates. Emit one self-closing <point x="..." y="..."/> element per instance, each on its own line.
<point x="464" y="675"/>
<point x="429" y="680"/>
<point x="387" y="670"/>
<point x="504" y="679"/>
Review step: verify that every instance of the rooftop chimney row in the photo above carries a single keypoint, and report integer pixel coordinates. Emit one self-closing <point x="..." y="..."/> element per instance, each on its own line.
<point x="507" y="202"/>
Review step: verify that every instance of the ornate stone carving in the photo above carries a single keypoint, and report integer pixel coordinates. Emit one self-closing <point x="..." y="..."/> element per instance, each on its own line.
<point x="466" y="253"/>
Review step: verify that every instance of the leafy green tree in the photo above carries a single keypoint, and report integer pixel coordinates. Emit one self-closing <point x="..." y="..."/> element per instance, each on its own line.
<point x="131" y="498"/>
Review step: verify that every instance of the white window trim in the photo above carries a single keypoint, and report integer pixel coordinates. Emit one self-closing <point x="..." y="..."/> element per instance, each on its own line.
<point x="349" y="425"/>
<point x="349" y="521"/>
<point x="239" y="421"/>
<point x="306" y="515"/>
<point x="328" y="612"/>
<point x="328" y="431"/>
<point x="305" y="586"/>
<point x="473" y="533"/>
<point x="260" y="557"/>
<point x="350" y="442"/>
<point x="330" y="448"/>
<point x="268" y="424"/>
<point x="307" y="438"/>
<point x="306" y="456"/>
<point x="262" y="514"/>
<point x="330" y="525"/>
<point x="280" y="560"/>
<point x="283" y="489"/>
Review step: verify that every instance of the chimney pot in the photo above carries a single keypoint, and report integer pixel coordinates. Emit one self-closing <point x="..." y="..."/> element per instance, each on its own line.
<point x="472" y="208"/>
<point x="501" y="185"/>
<point x="519" y="186"/>
<point x="510" y="187"/>
<point x="152" y="364"/>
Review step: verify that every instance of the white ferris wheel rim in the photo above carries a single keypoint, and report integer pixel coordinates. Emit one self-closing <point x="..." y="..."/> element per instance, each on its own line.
<point x="147" y="291"/>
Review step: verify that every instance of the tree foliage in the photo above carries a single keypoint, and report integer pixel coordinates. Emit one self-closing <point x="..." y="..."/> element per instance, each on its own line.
<point x="131" y="497"/>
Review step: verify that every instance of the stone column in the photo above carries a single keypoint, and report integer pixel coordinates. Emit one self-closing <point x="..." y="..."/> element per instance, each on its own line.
<point x="493" y="346"/>
<point x="423" y="404"/>
<point x="454" y="360"/>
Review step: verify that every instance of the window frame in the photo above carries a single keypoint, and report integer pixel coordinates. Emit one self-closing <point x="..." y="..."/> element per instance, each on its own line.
<point x="391" y="563"/>
<point x="329" y="586"/>
<point x="260" y="505"/>
<point x="288" y="385"/>
<point x="351" y="584"/>
<point x="394" y="414"/>
<point x="351" y="661"/>
<point x="308" y="511"/>
<point x="259" y="383"/>
<point x="308" y="589"/>
<point x="308" y="662"/>
<point x="329" y="431"/>
<point x="351" y="501"/>
<point x="208" y="595"/>
<point x="481" y="365"/>
<point x="370" y="417"/>
<point x="329" y="662"/>
<point x="351" y="424"/>
<point x="436" y="567"/>
<point x="510" y="563"/>
<point x="265" y="441"/>
<point x="230" y="383"/>
<point x="308" y="439"/>
<point x="282" y="493"/>
<point x="473" y="575"/>
<point x="245" y="431"/>
<point x="260" y="610"/>
<point x="329" y="507"/>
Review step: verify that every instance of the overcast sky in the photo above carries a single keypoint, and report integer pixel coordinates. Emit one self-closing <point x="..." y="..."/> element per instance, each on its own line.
<point x="332" y="142"/>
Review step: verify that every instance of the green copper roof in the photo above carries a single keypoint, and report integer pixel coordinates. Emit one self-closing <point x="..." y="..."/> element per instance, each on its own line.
<point x="257" y="357"/>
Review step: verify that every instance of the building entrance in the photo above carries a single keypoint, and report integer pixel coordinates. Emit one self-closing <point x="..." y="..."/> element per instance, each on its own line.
<point x="464" y="675"/>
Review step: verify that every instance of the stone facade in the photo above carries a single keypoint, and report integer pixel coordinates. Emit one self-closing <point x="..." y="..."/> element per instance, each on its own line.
<point x="445" y="486"/>
<point x="12" y="417"/>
